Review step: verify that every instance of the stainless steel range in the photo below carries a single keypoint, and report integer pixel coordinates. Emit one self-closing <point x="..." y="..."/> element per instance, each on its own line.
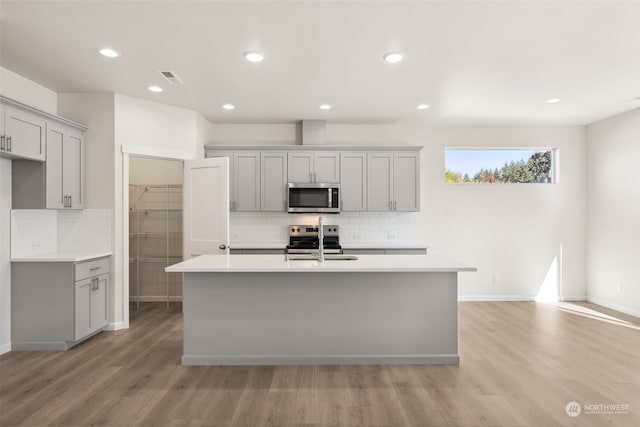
<point x="303" y="239"/>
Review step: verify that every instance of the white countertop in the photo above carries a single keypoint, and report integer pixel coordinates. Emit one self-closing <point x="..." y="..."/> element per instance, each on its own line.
<point x="278" y="264"/>
<point x="61" y="257"/>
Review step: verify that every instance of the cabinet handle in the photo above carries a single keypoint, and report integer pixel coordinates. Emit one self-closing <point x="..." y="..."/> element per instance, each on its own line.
<point x="390" y="205"/>
<point x="9" y="144"/>
<point x="395" y="205"/>
<point x="64" y="201"/>
<point x="2" y="143"/>
<point x="70" y="201"/>
<point x="94" y="268"/>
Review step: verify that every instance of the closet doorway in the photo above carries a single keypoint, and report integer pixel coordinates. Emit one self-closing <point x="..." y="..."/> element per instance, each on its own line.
<point x="155" y="231"/>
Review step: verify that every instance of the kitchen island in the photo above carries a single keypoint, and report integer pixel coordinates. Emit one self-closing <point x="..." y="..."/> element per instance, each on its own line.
<point x="263" y="310"/>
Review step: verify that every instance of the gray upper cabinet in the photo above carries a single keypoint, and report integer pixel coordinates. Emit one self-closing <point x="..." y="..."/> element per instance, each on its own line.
<point x="56" y="183"/>
<point x="380" y="182"/>
<point x="406" y="181"/>
<point x="246" y="181"/>
<point x="300" y="167"/>
<point x="393" y="182"/>
<point x="64" y="167"/>
<point x="314" y="166"/>
<point x="374" y="179"/>
<point x="273" y="170"/>
<point x="353" y="181"/>
<point x="22" y="135"/>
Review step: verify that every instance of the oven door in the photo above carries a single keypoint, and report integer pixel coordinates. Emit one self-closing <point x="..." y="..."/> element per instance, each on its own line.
<point x="320" y="198"/>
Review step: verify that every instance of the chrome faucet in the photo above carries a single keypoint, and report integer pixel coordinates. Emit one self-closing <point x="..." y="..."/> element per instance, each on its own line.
<point x="320" y="239"/>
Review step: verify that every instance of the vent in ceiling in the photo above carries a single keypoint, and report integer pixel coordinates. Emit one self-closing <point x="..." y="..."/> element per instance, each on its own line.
<point x="171" y="77"/>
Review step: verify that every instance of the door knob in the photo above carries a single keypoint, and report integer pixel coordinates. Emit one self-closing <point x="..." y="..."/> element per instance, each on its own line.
<point x="222" y="246"/>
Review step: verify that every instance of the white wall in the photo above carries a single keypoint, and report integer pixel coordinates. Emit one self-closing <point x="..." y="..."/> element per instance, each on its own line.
<point x="510" y="232"/>
<point x="614" y="212"/>
<point x="23" y="90"/>
<point x="30" y="93"/>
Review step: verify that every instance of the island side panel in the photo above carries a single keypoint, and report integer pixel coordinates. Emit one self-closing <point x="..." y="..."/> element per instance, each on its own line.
<point x="312" y="318"/>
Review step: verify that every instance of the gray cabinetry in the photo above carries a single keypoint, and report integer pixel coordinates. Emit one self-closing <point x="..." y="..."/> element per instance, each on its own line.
<point x="375" y="179"/>
<point x="246" y="181"/>
<point x="273" y="181"/>
<point x="393" y="182"/>
<point x="22" y="135"/>
<point x="353" y="181"/>
<point x="64" y="167"/>
<point x="55" y="305"/>
<point x="314" y="166"/>
<point x="90" y="305"/>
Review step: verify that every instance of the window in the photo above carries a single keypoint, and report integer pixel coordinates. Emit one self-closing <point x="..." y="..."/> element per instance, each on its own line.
<point x="498" y="165"/>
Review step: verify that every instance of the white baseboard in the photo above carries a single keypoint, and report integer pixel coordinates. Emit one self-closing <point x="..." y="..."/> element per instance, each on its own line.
<point x="115" y="326"/>
<point x="496" y="298"/>
<point x="514" y="298"/>
<point x="155" y="299"/>
<point x="613" y="306"/>
<point x="5" y="348"/>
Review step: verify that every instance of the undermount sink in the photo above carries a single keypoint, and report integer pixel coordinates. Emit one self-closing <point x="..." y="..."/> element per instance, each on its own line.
<point x="328" y="257"/>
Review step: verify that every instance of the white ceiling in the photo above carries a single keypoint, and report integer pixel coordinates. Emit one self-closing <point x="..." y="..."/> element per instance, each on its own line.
<point x="473" y="62"/>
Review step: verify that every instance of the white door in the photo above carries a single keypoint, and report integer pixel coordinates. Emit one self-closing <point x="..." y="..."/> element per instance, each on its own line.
<point x="206" y="206"/>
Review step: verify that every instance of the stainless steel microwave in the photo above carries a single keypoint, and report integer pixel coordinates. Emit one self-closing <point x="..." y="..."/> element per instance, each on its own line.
<point x="313" y="198"/>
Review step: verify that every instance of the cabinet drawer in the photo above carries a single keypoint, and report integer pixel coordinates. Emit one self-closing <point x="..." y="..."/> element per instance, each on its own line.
<point x="92" y="268"/>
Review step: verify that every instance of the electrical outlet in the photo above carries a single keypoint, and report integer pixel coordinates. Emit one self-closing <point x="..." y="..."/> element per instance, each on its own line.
<point x="619" y="286"/>
<point x="495" y="278"/>
<point x="35" y="245"/>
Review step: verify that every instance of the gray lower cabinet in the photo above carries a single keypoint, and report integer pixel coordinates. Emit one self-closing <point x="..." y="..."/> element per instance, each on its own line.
<point x="55" y="305"/>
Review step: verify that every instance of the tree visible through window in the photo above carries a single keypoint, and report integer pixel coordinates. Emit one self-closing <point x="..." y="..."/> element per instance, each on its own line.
<point x="490" y="166"/>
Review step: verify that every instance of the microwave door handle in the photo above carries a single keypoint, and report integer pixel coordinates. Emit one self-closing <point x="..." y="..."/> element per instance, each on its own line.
<point x="330" y="197"/>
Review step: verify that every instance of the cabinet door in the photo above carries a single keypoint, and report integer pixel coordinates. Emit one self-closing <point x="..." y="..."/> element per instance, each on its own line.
<point x="72" y="152"/>
<point x="54" y="187"/>
<point x="83" y="307"/>
<point x="273" y="169"/>
<point x="229" y="155"/>
<point x="406" y="182"/>
<point x="353" y="182"/>
<point x="300" y="167"/>
<point x="246" y="179"/>
<point x="326" y="167"/>
<point x="380" y="182"/>
<point x="99" y="302"/>
<point x="26" y="133"/>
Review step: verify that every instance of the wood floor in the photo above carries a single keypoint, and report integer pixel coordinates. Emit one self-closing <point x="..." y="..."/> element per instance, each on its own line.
<point x="521" y="364"/>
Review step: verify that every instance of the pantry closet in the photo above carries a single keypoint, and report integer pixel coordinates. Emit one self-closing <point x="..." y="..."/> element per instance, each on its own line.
<point x="155" y="230"/>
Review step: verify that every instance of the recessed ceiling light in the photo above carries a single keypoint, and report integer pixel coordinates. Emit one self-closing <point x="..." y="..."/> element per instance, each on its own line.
<point x="325" y="107"/>
<point x="109" y="53"/>
<point x="229" y="106"/>
<point x="393" y="57"/>
<point x="156" y="89"/>
<point x="552" y="100"/>
<point x="422" y="106"/>
<point x="254" y="56"/>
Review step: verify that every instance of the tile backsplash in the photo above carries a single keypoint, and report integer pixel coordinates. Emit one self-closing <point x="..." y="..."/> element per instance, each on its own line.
<point x="44" y="231"/>
<point x="367" y="228"/>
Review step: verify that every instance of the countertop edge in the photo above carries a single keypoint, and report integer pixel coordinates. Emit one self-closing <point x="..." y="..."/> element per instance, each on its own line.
<point x="62" y="257"/>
